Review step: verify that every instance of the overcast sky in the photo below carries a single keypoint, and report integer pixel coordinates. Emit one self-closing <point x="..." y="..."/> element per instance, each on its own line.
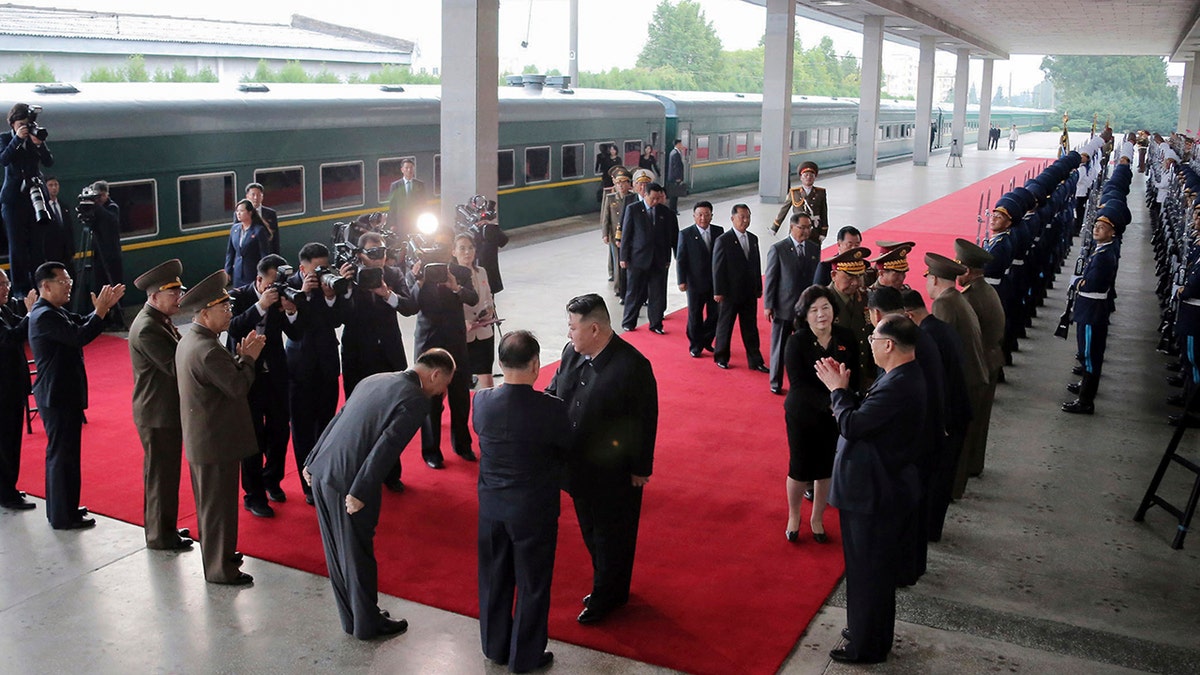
<point x="611" y="35"/>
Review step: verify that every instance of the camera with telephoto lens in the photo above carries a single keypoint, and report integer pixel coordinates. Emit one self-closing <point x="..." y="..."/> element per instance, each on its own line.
<point x="345" y="252"/>
<point x="38" y="132"/>
<point x="471" y="217"/>
<point x="37" y="197"/>
<point x="331" y="277"/>
<point x="282" y="274"/>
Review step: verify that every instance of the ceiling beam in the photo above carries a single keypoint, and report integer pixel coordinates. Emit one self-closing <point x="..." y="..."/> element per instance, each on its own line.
<point x="1190" y="33"/>
<point x="920" y="16"/>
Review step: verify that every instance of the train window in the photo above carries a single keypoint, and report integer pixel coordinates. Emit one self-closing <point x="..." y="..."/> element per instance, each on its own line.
<point x="572" y="161"/>
<point x="804" y="139"/>
<point x="740" y="142"/>
<point x="138" y="201"/>
<point x="341" y="185"/>
<point x="505" y="169"/>
<point x="702" y="149"/>
<point x="284" y="187"/>
<point x="601" y="152"/>
<point x="685" y="135"/>
<point x="823" y="137"/>
<point x="722" y="146"/>
<point x="633" y="151"/>
<point x="437" y="174"/>
<point x="755" y="143"/>
<point x="389" y="172"/>
<point x="537" y="165"/>
<point x="205" y="200"/>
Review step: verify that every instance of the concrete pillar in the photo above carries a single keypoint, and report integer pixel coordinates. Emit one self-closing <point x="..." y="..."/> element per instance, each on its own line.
<point x="1193" y="116"/>
<point x="470" y="92"/>
<point x="985" y="104"/>
<point x="924" y="100"/>
<point x="1185" y="94"/>
<point x="868" y="98"/>
<point x="962" y="82"/>
<point x="573" y="61"/>
<point x="774" y="164"/>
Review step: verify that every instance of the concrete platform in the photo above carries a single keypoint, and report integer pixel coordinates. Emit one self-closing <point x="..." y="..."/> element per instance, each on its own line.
<point x="1041" y="568"/>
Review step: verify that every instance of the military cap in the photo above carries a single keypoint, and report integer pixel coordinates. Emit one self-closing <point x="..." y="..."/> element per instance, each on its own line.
<point x="853" y="261"/>
<point x="942" y="267"/>
<point x="809" y="166"/>
<point x="895" y="259"/>
<point x="885" y="246"/>
<point x="1116" y="214"/>
<point x="619" y="173"/>
<point x="207" y="293"/>
<point x="1024" y="197"/>
<point x="968" y="254"/>
<point x="643" y="176"/>
<point x="1073" y="160"/>
<point x="163" y="277"/>
<point x="1009" y="206"/>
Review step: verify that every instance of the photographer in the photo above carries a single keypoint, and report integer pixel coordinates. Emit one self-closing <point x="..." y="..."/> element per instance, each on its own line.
<point x="106" y="244"/>
<point x="22" y="152"/>
<point x="312" y="356"/>
<point x="263" y="308"/>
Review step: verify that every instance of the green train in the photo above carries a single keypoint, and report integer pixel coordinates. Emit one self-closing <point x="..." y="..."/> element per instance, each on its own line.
<point x="177" y="156"/>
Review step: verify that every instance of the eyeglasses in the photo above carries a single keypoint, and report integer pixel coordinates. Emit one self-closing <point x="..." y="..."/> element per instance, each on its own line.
<point x="873" y="337"/>
<point x="65" y="282"/>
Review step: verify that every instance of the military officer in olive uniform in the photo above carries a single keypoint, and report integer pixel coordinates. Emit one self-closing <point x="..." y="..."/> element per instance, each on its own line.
<point x="809" y="199"/>
<point x="890" y="266"/>
<point x="218" y="431"/>
<point x="610" y="225"/>
<point x="984" y="299"/>
<point x="153" y="339"/>
<point x="847" y="269"/>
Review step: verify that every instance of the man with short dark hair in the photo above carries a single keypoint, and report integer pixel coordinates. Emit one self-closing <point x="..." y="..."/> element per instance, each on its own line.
<point x="674" y="175"/>
<point x="612" y="402"/>
<point x="737" y="286"/>
<point x="14" y="395"/>
<point x="345" y="471"/>
<point x="649" y="232"/>
<point x="58" y="239"/>
<point x="57" y="338"/>
<point x="255" y="193"/>
<point x="791" y="264"/>
<point x="407" y="197"/>
<point x="523" y="436"/>
<point x="106" y="241"/>
<point x="693" y="266"/>
<point x="22" y="154"/>
<point x="848" y="238"/>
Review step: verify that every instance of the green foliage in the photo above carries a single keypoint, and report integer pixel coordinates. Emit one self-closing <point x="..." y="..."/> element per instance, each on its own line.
<point x="818" y="71"/>
<point x="1131" y="91"/>
<point x="135" y="70"/>
<point x="33" y="69"/>
<point x="104" y="74"/>
<point x="681" y="38"/>
<point x="393" y="74"/>
<point x="179" y="73"/>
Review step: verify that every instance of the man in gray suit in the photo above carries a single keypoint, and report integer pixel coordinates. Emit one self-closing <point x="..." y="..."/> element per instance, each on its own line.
<point x="346" y="470"/>
<point x="791" y="264"/>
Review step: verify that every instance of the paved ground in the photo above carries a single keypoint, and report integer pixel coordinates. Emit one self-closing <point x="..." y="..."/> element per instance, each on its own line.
<point x="1041" y="569"/>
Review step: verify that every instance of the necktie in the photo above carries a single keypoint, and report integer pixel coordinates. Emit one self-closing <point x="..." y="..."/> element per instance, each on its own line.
<point x="407" y="188"/>
<point x="745" y="244"/>
<point x="704" y="236"/>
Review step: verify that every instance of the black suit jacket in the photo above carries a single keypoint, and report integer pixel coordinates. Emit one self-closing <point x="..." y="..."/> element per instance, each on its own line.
<point x="371" y="340"/>
<point x="440" y="319"/>
<point x="313" y="353"/>
<point x="58" y="239"/>
<point x="788" y="274"/>
<point x="271" y="218"/>
<point x="693" y="259"/>
<point x="21" y="159"/>
<point x="648" y="237"/>
<point x="246" y="318"/>
<point x="488" y="242"/>
<point x="675" y="166"/>
<point x="403" y="208"/>
<point x="14" y="367"/>
<point x="736" y="277"/>
<point x="57" y="338"/>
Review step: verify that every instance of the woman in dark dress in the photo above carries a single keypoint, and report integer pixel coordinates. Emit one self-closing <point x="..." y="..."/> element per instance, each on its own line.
<point x="649" y="161"/>
<point x="811" y="430"/>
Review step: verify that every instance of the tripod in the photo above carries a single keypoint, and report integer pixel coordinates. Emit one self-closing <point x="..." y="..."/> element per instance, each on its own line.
<point x="83" y="274"/>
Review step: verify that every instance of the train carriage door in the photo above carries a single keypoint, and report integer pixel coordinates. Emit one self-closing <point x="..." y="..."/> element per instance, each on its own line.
<point x="853" y="133"/>
<point x="684" y="131"/>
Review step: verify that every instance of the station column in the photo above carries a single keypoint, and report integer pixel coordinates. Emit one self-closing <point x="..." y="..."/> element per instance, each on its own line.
<point x="962" y="81"/>
<point x="1185" y="94"/>
<point x="924" y="100"/>
<point x="985" y="104"/>
<point x="868" y="98"/>
<point x="470" y="137"/>
<point x="774" y="166"/>
<point x="1192" y="93"/>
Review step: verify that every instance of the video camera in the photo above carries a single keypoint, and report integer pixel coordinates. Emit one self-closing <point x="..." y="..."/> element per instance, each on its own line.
<point x="472" y="216"/>
<point x="346" y="252"/>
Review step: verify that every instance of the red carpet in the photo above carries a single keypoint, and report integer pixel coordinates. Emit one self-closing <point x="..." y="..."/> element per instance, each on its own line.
<point x="717" y="589"/>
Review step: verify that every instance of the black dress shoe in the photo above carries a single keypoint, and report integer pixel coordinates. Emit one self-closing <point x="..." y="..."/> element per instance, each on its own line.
<point x="308" y="499"/>
<point x="778" y="391"/>
<point x="276" y="494"/>
<point x="722" y="365"/>
<point x="658" y="331"/>
<point x="591" y="615"/>
<point x="435" y="464"/>
<point x="1078" y="407"/>
<point x="792" y="536"/>
<point x="820" y="537"/>
<point x="19" y="504"/>
<point x="628" y="329"/>
<point x="544" y="661"/>
<point x="708" y="348"/>
<point x="183" y="532"/>
<point x="761" y="368"/>
<point x="1074" y="387"/>
<point x="1077" y="370"/>
<point x="1175" y="381"/>
<point x="260" y="509"/>
<point x="1175" y="400"/>
<point x="83" y="511"/>
<point x="841" y="656"/>
<point x="586" y="599"/>
<point x="1185" y="419"/>
<point x="180" y="544"/>
<point x="390" y="626"/>
<point x="242" y="579"/>
<point x="237" y="558"/>
<point x="845" y="633"/>
<point x="696" y="353"/>
<point x="394" y="484"/>
<point x="81" y="524"/>
<point x="468" y="455"/>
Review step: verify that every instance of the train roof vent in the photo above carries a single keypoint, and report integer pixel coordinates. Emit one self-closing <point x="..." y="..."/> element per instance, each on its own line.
<point x="253" y="88"/>
<point x="740" y="95"/>
<point x="55" y="88"/>
<point x="558" y="81"/>
<point x="515" y="80"/>
<point x="391" y="88"/>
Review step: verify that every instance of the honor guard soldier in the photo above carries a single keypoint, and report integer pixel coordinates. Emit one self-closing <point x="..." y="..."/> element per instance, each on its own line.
<point x="610" y="225"/>
<point x="1002" y="248"/>
<point x="847" y="269"/>
<point x="891" y="265"/>
<point x="807" y="199"/>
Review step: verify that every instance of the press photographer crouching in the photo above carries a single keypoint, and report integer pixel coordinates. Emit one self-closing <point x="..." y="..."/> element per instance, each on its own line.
<point x="266" y="306"/>
<point x="312" y="356"/>
<point x="23" y="151"/>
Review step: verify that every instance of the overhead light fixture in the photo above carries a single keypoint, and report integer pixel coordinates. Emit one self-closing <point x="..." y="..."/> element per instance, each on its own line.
<point x="903" y="28"/>
<point x="832" y="3"/>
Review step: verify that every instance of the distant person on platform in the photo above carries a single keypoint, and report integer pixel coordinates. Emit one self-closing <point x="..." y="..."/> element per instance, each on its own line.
<point x="249" y="242"/>
<point x="649" y="233"/>
<point x="255" y="193"/>
<point x="523" y="439"/>
<point x="737" y="286"/>
<point x="610" y="227"/>
<point x="791" y="264"/>
<point x="58" y="238"/>
<point x="693" y="271"/>
<point x="1013" y="135"/>
<point x="106" y="244"/>
<point x="612" y="402"/>
<point x="874" y="482"/>
<point x="217" y="430"/>
<point x="606" y="159"/>
<point x="22" y="154"/>
<point x="57" y="338"/>
<point x="809" y="199"/>
<point x="675" y="173"/>
<point x="153" y="340"/>
<point x="407" y="198"/>
<point x="346" y="471"/>
<point x="14" y="396"/>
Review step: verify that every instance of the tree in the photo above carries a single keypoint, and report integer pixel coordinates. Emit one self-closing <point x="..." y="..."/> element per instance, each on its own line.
<point x="999" y="98"/>
<point x="972" y="95"/>
<point x="1131" y="91"/>
<point x="33" y="69"/>
<point x="681" y="37"/>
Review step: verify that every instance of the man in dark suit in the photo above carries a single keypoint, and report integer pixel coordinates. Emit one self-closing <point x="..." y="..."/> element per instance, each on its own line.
<point x="612" y="402"/>
<point x="14" y="395"/>
<point x="312" y="357"/>
<point x="674" y="175"/>
<point x="58" y="235"/>
<point x="106" y="238"/>
<point x="153" y="340"/>
<point x="213" y="386"/>
<point x="848" y="239"/>
<point x="345" y="471"/>
<point x="737" y="286"/>
<point x="649" y="232"/>
<point x="261" y="308"/>
<point x="874" y="483"/>
<point x="523" y="436"/>
<point x="406" y="198"/>
<point x="693" y="271"/>
<point x="255" y="193"/>
<point x="57" y="338"/>
<point x="22" y="154"/>
<point x="791" y="264"/>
